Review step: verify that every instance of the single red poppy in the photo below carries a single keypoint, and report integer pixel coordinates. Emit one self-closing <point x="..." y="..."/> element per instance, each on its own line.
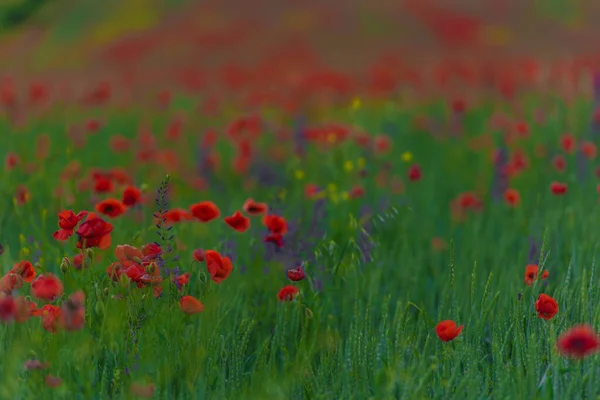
<point x="151" y="251"/>
<point x="67" y="221"/>
<point x="103" y="184"/>
<point x="12" y="161"/>
<point x="447" y="330"/>
<point x="25" y="269"/>
<point x="589" y="149"/>
<point x="132" y="196"/>
<point x="52" y="381"/>
<point x="356" y="192"/>
<point x="238" y="222"/>
<point x="531" y="274"/>
<point x="94" y="232"/>
<point x="198" y="255"/>
<point x="182" y="279"/>
<point x="546" y="306"/>
<point x="47" y="287"/>
<point x="219" y="267"/>
<point x="275" y="238"/>
<point x="253" y="208"/>
<point x="296" y="274"/>
<point x="512" y="197"/>
<point x="205" y="211"/>
<point x="111" y="207"/>
<point x="558" y="188"/>
<point x="567" y="142"/>
<point x="559" y="162"/>
<point x="175" y="215"/>
<point x="190" y="305"/>
<point x="578" y="342"/>
<point x="287" y="293"/>
<point x="275" y="224"/>
<point x="8" y="308"/>
<point x="414" y="173"/>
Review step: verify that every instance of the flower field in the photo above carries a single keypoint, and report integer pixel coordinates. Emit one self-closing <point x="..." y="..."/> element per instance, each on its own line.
<point x="190" y="213"/>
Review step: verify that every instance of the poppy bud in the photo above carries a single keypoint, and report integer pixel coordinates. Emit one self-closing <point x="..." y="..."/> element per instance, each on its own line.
<point x="64" y="267"/>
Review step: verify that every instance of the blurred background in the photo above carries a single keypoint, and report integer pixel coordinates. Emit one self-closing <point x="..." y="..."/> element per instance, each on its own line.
<point x="227" y="43"/>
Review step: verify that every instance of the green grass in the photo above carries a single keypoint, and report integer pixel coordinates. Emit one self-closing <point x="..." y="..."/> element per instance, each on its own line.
<point x="360" y="329"/>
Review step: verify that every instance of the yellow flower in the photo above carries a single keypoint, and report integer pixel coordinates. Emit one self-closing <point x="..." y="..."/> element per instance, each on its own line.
<point x="361" y="162"/>
<point x="407" y="156"/>
<point x="332" y="187"/>
<point x="345" y="196"/>
<point x="356" y="103"/>
<point x="348" y="166"/>
<point x="299" y="174"/>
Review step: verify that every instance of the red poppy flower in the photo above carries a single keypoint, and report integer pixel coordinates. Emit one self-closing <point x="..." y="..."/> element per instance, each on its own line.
<point x="414" y="173"/>
<point x="546" y="306"/>
<point x="205" y="211"/>
<point x="125" y="252"/>
<point x="238" y="222"/>
<point x="51" y="317"/>
<point x="151" y="250"/>
<point x="12" y="160"/>
<point x="275" y="224"/>
<point x="447" y="330"/>
<point x="578" y="342"/>
<point x="558" y="188"/>
<point x="311" y="191"/>
<point x="10" y="282"/>
<point x="132" y="196"/>
<point x="67" y="221"/>
<point x="531" y="274"/>
<point x="35" y="365"/>
<point x="78" y="261"/>
<point x="183" y="279"/>
<point x="589" y="149"/>
<point x="52" y="381"/>
<point x="356" y="192"/>
<point x="111" y="207"/>
<point x="22" y="195"/>
<point x="198" y="255"/>
<point x="512" y="197"/>
<point x="567" y="142"/>
<point x="559" y="162"/>
<point x="8" y="308"/>
<point x="253" y="208"/>
<point x="175" y="215"/>
<point x="275" y="238"/>
<point x="94" y="232"/>
<point x="287" y="293"/>
<point x="25" y="269"/>
<point x="296" y="274"/>
<point x="103" y="184"/>
<point x="47" y="287"/>
<point x="382" y="144"/>
<point x="190" y="305"/>
<point x="25" y="309"/>
<point x="218" y="267"/>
